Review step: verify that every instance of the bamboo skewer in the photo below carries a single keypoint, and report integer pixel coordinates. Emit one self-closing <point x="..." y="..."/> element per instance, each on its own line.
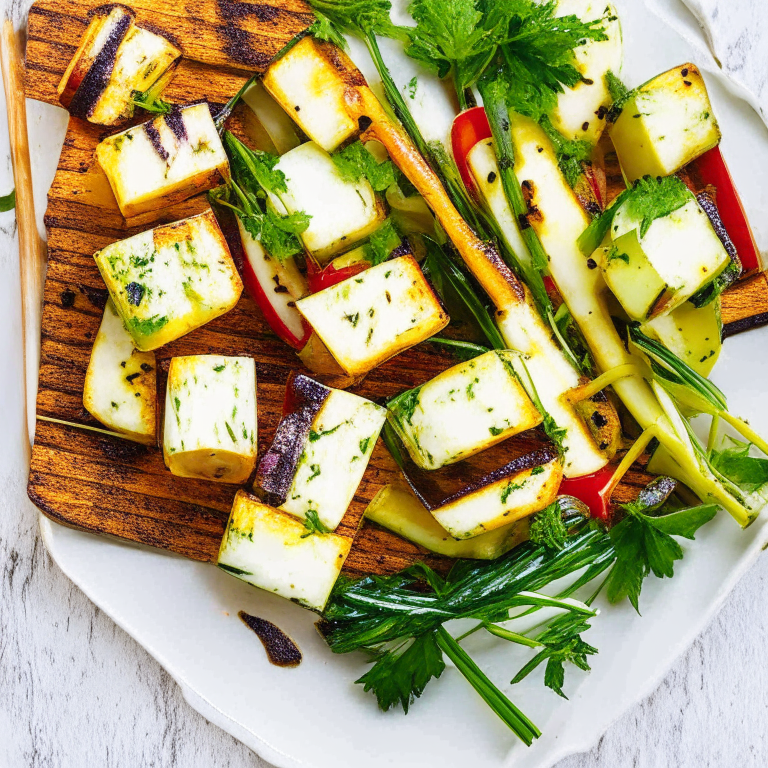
<point x="32" y="252"/>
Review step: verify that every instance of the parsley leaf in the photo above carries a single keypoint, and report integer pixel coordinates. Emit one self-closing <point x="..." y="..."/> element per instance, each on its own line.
<point x="255" y="168"/>
<point x="325" y="29"/>
<point x="381" y="243"/>
<point x="734" y="462"/>
<point x="548" y="529"/>
<point x="652" y="199"/>
<point x="648" y="199"/>
<point x="454" y="36"/>
<point x="314" y="524"/>
<point x="644" y="544"/>
<point x="355" y="162"/>
<point x="355" y="16"/>
<point x="538" y="56"/>
<point x="562" y="644"/>
<point x="8" y="202"/>
<point x="254" y="173"/>
<point x="399" y="677"/>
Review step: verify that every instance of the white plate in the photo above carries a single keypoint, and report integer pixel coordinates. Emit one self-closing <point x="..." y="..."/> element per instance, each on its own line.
<point x="185" y="613"/>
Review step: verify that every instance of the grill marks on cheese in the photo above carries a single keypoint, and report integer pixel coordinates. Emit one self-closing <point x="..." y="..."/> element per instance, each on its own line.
<point x="320" y="451"/>
<point x="114" y="60"/>
<point x="373" y="316"/>
<point x="210" y="418"/>
<point x="334" y="457"/>
<point x="170" y="280"/>
<point x="165" y="160"/>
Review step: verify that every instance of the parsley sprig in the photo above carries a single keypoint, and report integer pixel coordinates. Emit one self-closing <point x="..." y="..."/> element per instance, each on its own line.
<point x="644" y="540"/>
<point x="254" y="174"/>
<point x="399" y="619"/>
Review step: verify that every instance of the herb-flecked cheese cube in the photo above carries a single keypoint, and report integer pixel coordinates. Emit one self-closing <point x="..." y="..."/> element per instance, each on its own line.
<point x="165" y="160"/>
<point x="210" y="418"/>
<point x="397" y="509"/>
<point x="342" y="212"/>
<point x="375" y="315"/>
<point x="320" y="451"/>
<point x="678" y="255"/>
<point x="499" y="502"/>
<point x="274" y="551"/>
<point x="115" y="60"/>
<point x="120" y="389"/>
<point x="306" y="84"/>
<point x="667" y="123"/>
<point x="167" y="281"/>
<point x="463" y="411"/>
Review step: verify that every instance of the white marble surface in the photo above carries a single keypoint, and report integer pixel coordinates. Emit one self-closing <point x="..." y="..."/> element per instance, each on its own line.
<point x="77" y="691"/>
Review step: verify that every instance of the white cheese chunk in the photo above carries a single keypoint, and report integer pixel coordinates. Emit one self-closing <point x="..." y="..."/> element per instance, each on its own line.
<point x="120" y="389"/>
<point x="502" y="502"/>
<point x="309" y="88"/>
<point x="170" y="280"/>
<point x="580" y="112"/>
<point x="375" y="315"/>
<point x="667" y="123"/>
<point x="463" y="411"/>
<point x="164" y="161"/>
<point x="342" y="212"/>
<point x="210" y="418"/>
<point x="133" y="58"/>
<point x="398" y="510"/>
<point x="334" y="458"/>
<point x="271" y="550"/>
<point x="681" y="252"/>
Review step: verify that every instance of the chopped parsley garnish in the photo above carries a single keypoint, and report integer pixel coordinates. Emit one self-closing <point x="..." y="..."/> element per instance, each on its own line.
<point x="355" y="162"/>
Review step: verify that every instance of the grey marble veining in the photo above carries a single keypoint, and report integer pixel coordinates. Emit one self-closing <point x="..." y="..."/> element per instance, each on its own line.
<point x="76" y="691"/>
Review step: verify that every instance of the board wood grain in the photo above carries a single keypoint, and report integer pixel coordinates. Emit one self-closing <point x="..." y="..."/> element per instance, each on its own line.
<point x="117" y="488"/>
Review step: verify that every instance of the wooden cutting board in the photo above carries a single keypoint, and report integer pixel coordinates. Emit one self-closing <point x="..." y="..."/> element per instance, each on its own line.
<point x="110" y="486"/>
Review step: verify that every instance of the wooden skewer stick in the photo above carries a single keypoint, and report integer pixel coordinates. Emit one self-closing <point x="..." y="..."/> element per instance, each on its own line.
<point x="32" y="252"/>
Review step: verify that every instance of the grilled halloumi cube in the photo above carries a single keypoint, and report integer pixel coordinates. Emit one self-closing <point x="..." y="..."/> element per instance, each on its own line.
<point x="678" y="255"/>
<point x="309" y="88"/>
<point x="170" y="280"/>
<point x="120" y="388"/>
<point x="463" y="411"/>
<point x="210" y="418"/>
<point x="667" y="123"/>
<point x="274" y="551"/>
<point x="581" y="111"/>
<point x="395" y="508"/>
<point x="375" y="315"/>
<point x="320" y="451"/>
<point x="342" y="212"/>
<point x="115" y="60"/>
<point x="501" y="501"/>
<point x="165" y="160"/>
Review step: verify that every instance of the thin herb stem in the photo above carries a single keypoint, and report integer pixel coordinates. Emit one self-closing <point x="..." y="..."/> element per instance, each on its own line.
<point x="745" y="430"/>
<point x="496" y="700"/>
<point x="514" y="637"/>
<point x="601" y="382"/>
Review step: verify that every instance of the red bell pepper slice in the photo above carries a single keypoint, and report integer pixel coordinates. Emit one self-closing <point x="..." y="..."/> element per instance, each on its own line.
<point x="328" y="276"/>
<point x="594" y="490"/>
<point x="712" y="170"/>
<point x="469" y="128"/>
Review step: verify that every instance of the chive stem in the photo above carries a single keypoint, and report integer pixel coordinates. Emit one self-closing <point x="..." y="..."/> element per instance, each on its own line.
<point x="525" y="730"/>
